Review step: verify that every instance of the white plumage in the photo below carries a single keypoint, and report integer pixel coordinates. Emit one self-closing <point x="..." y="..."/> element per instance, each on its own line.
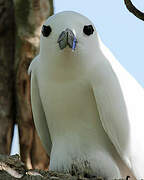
<point x="88" y="110"/>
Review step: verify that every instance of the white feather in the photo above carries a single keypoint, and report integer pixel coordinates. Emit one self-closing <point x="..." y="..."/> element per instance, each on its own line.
<point x="37" y="109"/>
<point x="132" y="95"/>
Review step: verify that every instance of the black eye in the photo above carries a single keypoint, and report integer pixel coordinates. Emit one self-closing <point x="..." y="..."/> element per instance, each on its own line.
<point x="46" y="30"/>
<point x="88" y="29"/>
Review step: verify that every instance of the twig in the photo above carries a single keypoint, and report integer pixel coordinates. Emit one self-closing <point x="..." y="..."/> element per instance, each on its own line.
<point x="134" y="10"/>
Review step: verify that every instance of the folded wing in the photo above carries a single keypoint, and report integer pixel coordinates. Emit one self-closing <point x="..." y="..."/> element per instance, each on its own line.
<point x="120" y="102"/>
<point x="37" y="109"/>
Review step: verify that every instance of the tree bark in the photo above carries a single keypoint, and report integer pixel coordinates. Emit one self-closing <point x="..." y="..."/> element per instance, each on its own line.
<point x="7" y="106"/>
<point x="29" y="17"/>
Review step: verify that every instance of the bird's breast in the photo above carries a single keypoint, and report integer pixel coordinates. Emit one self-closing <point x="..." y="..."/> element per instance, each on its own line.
<point x="73" y="121"/>
<point x="69" y="106"/>
<point x="71" y="110"/>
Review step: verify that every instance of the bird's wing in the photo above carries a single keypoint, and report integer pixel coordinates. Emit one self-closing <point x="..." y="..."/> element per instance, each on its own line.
<point x="112" y="109"/>
<point x="120" y="100"/>
<point x="37" y="109"/>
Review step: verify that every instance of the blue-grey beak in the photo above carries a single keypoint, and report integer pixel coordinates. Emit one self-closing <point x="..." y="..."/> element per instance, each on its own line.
<point x="67" y="37"/>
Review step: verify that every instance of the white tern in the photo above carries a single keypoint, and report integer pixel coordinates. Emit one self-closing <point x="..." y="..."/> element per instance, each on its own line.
<point x="88" y="110"/>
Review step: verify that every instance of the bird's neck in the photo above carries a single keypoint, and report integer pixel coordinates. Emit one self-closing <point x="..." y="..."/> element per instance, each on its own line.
<point x="66" y="68"/>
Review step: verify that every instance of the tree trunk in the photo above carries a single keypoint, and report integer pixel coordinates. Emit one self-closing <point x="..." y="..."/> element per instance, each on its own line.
<point x="7" y="44"/>
<point x="20" y="24"/>
<point x="29" y="17"/>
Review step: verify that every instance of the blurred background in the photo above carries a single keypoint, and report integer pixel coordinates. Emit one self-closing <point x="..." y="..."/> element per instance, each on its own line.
<point x="20" y="24"/>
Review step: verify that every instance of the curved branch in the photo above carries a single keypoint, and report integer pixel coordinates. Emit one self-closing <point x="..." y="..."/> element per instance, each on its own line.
<point x="134" y="10"/>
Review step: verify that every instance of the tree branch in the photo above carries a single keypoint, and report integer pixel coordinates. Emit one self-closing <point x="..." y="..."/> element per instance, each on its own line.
<point x="11" y="168"/>
<point x="134" y="10"/>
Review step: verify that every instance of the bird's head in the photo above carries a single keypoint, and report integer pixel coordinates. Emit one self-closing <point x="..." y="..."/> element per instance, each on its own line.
<point x="67" y="34"/>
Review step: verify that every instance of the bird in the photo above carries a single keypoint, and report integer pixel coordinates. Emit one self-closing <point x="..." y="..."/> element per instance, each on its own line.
<point x="88" y="110"/>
